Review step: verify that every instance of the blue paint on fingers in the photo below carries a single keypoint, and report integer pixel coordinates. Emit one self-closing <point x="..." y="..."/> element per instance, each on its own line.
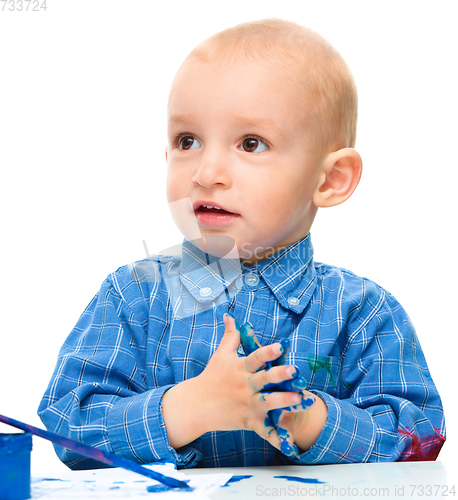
<point x="305" y="404"/>
<point x="292" y="385"/>
<point x="288" y="450"/>
<point x="250" y="344"/>
<point x="286" y="346"/>
<point x="285" y="447"/>
<point x="248" y="339"/>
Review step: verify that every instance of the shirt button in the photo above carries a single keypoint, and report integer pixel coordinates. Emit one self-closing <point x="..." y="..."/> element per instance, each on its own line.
<point x="293" y="301"/>
<point x="205" y="292"/>
<point x="251" y="279"/>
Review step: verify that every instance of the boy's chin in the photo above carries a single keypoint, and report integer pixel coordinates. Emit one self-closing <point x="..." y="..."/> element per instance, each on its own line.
<point x="218" y="245"/>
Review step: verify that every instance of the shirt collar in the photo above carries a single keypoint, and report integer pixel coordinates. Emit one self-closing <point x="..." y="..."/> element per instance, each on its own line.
<point x="204" y="275"/>
<point x="289" y="273"/>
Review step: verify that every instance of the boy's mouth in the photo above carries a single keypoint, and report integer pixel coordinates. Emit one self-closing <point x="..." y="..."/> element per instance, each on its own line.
<point x="212" y="210"/>
<point x="207" y="206"/>
<point x="213" y="215"/>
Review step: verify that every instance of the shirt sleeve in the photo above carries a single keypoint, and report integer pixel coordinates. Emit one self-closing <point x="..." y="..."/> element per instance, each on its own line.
<point x="388" y="407"/>
<point x="98" y="392"/>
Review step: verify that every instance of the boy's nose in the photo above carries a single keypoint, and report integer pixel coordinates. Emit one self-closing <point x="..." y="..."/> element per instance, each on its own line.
<point x="212" y="169"/>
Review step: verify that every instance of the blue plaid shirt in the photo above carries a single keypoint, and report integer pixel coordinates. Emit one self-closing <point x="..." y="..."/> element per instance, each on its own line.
<point x="158" y="321"/>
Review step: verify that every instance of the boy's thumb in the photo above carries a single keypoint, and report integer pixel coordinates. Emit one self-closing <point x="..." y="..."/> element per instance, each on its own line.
<point x="231" y="335"/>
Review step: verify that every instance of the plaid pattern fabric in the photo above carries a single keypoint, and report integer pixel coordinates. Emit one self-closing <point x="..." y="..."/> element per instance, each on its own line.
<point x="158" y="321"/>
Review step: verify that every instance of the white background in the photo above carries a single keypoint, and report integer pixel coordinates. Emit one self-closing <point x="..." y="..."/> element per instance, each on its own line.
<point x="83" y="91"/>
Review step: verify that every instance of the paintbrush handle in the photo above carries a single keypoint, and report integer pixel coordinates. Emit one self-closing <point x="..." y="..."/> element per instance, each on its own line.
<point x="94" y="453"/>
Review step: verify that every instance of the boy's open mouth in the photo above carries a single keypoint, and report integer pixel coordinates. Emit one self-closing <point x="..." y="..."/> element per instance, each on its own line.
<point x="214" y="216"/>
<point x="213" y="210"/>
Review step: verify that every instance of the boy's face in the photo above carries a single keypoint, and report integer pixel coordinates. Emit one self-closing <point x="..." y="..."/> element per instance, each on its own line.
<point x="238" y="138"/>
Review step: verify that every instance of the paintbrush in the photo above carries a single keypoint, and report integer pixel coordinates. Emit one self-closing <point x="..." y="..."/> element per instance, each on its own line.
<point x="95" y="453"/>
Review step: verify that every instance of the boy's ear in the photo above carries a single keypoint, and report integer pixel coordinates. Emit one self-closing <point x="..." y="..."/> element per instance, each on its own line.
<point x="165" y="153"/>
<point x="341" y="172"/>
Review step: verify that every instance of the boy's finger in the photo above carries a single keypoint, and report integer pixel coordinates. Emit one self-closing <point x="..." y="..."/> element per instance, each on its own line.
<point x="278" y="379"/>
<point x="269" y="433"/>
<point x="295" y="384"/>
<point x="231" y="337"/>
<point x="308" y="399"/>
<point x="248" y="339"/>
<point x="277" y="435"/>
<point x="259" y="358"/>
<point x="286" y="345"/>
<point x="287" y="446"/>
<point x="267" y="401"/>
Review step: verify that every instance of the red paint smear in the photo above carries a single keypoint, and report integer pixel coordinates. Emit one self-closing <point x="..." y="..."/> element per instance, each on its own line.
<point x="421" y="450"/>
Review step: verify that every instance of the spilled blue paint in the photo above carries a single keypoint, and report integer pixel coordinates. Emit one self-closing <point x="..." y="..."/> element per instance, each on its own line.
<point x="156" y="488"/>
<point x="298" y="479"/>
<point x="236" y="479"/>
<point x="54" y="479"/>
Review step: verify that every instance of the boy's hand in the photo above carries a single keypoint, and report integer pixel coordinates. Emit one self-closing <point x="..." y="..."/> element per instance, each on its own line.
<point x="234" y="387"/>
<point x="228" y="395"/>
<point x="297" y="427"/>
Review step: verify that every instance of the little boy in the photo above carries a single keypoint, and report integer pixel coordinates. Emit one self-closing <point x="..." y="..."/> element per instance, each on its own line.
<point x="261" y="130"/>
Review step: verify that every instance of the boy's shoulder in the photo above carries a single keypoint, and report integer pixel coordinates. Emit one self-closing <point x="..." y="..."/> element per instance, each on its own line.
<point x="136" y="283"/>
<point x="358" y="299"/>
<point x="350" y="287"/>
<point x="149" y="270"/>
<point x="331" y="273"/>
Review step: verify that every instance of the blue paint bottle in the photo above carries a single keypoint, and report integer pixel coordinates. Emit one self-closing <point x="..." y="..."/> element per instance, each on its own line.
<point x="15" y="452"/>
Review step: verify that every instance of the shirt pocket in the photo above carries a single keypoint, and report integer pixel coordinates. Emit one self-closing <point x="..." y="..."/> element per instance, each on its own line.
<point x="320" y="372"/>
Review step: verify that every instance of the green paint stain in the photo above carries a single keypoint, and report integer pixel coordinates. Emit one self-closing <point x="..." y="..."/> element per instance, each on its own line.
<point x="319" y="363"/>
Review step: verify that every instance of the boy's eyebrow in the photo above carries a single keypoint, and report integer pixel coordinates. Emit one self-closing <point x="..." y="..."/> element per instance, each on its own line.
<point x="262" y="123"/>
<point x="242" y="121"/>
<point x="185" y="118"/>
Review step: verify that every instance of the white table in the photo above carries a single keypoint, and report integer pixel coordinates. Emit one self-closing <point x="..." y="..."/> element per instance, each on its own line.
<point x="384" y="480"/>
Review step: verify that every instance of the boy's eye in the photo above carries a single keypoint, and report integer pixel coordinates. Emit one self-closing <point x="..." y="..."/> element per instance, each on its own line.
<point x="253" y="145"/>
<point x="188" y="142"/>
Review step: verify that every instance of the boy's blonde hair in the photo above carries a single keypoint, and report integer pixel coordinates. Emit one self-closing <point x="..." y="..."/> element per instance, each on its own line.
<point x="318" y="72"/>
